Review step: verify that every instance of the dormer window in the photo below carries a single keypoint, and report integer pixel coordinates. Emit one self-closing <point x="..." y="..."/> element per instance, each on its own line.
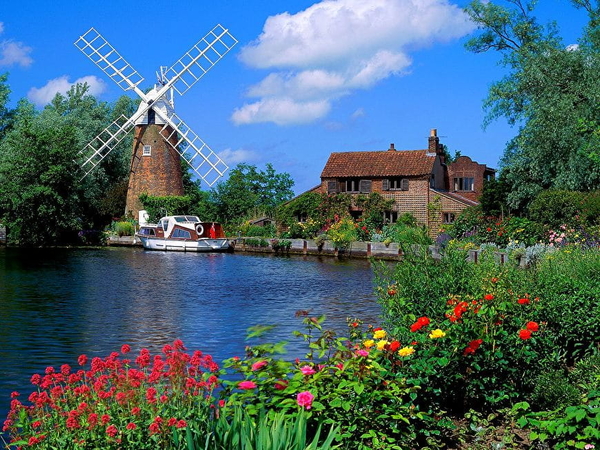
<point x="464" y="184"/>
<point x="147" y="150"/>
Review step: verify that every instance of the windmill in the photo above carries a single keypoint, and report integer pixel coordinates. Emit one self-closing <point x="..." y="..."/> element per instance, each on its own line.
<point x="161" y="137"/>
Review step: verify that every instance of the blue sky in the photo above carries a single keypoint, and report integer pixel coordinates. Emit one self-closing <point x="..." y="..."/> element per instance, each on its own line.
<point x="307" y="78"/>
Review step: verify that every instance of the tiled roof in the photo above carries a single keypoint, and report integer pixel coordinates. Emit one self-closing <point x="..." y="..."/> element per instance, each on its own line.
<point x="389" y="163"/>
<point x="458" y="197"/>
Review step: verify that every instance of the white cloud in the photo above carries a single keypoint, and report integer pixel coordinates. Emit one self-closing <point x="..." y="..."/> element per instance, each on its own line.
<point x="42" y="96"/>
<point x="234" y="157"/>
<point x="281" y="111"/>
<point x="336" y="46"/>
<point x="360" y="112"/>
<point x="13" y="53"/>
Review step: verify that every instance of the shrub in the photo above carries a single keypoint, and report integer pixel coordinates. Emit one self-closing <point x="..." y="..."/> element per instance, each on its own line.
<point x="341" y="382"/>
<point x="342" y="233"/>
<point x="267" y="231"/>
<point x="124" y="229"/>
<point x="252" y="242"/>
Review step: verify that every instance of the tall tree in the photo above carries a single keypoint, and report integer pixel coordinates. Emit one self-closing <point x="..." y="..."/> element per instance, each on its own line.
<point x="249" y="190"/>
<point x="5" y="113"/>
<point x="38" y="203"/>
<point x="550" y="90"/>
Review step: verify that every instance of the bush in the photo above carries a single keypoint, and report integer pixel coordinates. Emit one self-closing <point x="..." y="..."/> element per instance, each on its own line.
<point x="124" y="228"/>
<point x="342" y="233"/>
<point x="256" y="242"/>
<point x="559" y="293"/>
<point x="267" y="231"/>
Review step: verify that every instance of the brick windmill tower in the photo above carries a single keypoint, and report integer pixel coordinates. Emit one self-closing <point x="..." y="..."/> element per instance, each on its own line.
<point x="161" y="139"/>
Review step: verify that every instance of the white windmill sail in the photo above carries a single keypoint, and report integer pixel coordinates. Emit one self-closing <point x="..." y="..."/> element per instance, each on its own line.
<point x="181" y="76"/>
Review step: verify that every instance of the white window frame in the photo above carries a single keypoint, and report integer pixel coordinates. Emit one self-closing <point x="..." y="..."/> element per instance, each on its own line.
<point x="147" y="150"/>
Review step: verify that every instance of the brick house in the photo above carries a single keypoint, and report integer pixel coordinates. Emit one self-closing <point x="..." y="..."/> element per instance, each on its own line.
<point x="419" y="181"/>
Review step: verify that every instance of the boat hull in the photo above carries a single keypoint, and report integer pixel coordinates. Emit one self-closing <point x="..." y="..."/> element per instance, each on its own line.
<point x="200" y="245"/>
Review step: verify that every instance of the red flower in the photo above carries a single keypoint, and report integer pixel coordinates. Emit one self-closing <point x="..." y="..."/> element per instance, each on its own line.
<point x="523" y="301"/>
<point x="181" y="424"/>
<point x="420" y="323"/>
<point x="532" y="326"/>
<point x="472" y="347"/>
<point x="82" y="360"/>
<point x="111" y="430"/>
<point x="125" y="348"/>
<point x="394" y="345"/>
<point x="525" y="334"/>
<point x="131" y="426"/>
<point x="488" y="297"/>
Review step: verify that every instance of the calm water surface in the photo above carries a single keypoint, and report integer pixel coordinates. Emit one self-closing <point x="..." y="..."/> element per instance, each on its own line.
<point x="57" y="304"/>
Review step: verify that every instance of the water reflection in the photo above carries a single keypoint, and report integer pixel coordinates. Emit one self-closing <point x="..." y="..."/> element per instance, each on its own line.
<point x="57" y="304"/>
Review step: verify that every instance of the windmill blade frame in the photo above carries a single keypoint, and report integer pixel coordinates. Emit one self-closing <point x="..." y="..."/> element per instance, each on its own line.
<point x="192" y="149"/>
<point x="105" y="142"/>
<point x="93" y="45"/>
<point x="194" y="64"/>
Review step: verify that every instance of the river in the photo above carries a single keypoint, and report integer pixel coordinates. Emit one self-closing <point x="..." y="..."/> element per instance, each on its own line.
<point x="56" y="304"/>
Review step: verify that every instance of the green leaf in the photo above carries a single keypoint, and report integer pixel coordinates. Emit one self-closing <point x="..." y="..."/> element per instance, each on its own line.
<point x="359" y="388"/>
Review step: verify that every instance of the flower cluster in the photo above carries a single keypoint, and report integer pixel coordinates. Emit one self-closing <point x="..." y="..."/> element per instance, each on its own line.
<point x="115" y="400"/>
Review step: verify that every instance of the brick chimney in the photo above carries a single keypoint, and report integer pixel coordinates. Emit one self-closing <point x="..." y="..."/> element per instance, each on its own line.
<point x="391" y="149"/>
<point x="434" y="145"/>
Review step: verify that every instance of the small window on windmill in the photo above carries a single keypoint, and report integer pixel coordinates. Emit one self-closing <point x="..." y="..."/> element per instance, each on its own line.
<point x="147" y="150"/>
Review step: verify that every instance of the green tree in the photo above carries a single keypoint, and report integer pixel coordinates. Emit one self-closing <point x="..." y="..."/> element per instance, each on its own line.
<point x="250" y="191"/>
<point x="38" y="201"/>
<point x="5" y="113"/>
<point x="549" y="91"/>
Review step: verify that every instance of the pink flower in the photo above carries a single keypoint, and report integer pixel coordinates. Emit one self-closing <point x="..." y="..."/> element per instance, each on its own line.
<point x="307" y="370"/>
<point x="362" y="352"/>
<point x="280" y="385"/>
<point x="305" y="399"/>
<point x="259" y="365"/>
<point x="247" y="385"/>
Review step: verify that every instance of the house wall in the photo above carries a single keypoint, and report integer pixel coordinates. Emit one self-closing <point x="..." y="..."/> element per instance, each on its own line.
<point x="465" y="167"/>
<point x="442" y="204"/>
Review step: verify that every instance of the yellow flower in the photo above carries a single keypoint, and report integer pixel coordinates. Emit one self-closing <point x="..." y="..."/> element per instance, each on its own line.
<point x="406" y="351"/>
<point x="379" y="334"/>
<point x="369" y="343"/>
<point x="435" y="334"/>
<point x="381" y="345"/>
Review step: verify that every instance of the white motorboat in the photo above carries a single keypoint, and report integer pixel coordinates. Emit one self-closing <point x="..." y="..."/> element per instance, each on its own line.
<point x="185" y="234"/>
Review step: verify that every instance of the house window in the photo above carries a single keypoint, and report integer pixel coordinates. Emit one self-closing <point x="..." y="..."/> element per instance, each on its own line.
<point x="182" y="234"/>
<point x="463" y="184"/>
<point x="390" y="216"/>
<point x="395" y="184"/>
<point x="352" y="185"/>
<point x="302" y="217"/>
<point x="356" y="185"/>
<point x="432" y="181"/>
<point x="147" y="150"/>
<point x="449" y="217"/>
<point x="332" y="187"/>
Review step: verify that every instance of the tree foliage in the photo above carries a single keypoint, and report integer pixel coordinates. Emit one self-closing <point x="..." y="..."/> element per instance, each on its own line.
<point x="43" y="200"/>
<point x="249" y="191"/>
<point x="551" y="92"/>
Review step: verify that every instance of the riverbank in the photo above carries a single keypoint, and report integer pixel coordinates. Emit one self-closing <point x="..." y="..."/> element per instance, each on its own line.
<point x="305" y="247"/>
